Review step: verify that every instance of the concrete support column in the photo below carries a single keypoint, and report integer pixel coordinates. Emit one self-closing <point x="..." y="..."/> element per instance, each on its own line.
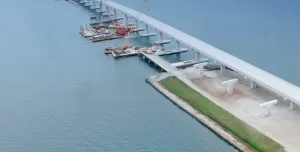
<point x="177" y="45"/>
<point x="108" y="10"/>
<point x="91" y="3"/>
<point x="252" y="84"/>
<point x="230" y="89"/>
<point x="101" y="6"/>
<point x="160" y="36"/>
<point x="99" y="17"/>
<point x="198" y="56"/>
<point x="126" y="19"/>
<point x="267" y="112"/>
<point x="94" y="4"/>
<point x="136" y="23"/>
<point x="222" y="69"/>
<point x="115" y="13"/>
<point x="146" y="29"/>
<point x="229" y="84"/>
<point x="137" y="26"/>
<point x="292" y="105"/>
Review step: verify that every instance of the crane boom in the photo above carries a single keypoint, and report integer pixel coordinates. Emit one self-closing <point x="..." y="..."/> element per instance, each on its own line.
<point x="131" y="30"/>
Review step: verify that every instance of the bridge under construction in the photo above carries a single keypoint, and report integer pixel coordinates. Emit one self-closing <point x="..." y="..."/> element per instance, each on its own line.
<point x="257" y="76"/>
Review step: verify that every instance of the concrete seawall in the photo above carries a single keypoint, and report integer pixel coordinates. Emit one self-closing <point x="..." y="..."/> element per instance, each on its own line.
<point x="210" y="124"/>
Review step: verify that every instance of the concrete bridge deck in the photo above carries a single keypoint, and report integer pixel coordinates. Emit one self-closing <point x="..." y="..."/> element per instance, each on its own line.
<point x="160" y="62"/>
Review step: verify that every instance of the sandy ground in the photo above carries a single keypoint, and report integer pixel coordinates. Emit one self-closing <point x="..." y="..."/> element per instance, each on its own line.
<point x="282" y="125"/>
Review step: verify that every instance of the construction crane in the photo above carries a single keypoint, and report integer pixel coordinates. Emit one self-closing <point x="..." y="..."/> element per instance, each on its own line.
<point x="125" y="31"/>
<point x="120" y="30"/>
<point x="131" y="30"/>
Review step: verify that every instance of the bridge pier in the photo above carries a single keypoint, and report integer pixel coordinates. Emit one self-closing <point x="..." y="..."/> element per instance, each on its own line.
<point x="146" y="33"/>
<point x="160" y="36"/>
<point x="85" y="2"/>
<point x="107" y="11"/>
<point x="252" y="84"/>
<point x="222" y="69"/>
<point x="137" y="24"/>
<point x="161" y="41"/>
<point x="229" y="84"/>
<point x="198" y="54"/>
<point x="177" y="45"/>
<point x="126" y="19"/>
<point x="177" y="48"/>
<point x="99" y="8"/>
<point x="146" y="29"/>
<point x="292" y="105"/>
<point x="91" y="4"/>
<point x="94" y="4"/>
<point x="137" y="27"/>
<point x="115" y="13"/>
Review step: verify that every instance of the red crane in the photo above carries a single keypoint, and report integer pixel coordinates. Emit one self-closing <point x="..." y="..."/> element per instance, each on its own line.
<point x="121" y="31"/>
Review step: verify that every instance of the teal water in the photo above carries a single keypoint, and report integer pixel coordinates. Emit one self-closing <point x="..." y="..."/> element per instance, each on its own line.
<point x="60" y="93"/>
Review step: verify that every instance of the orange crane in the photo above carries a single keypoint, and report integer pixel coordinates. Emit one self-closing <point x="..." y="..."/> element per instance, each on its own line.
<point x="131" y="30"/>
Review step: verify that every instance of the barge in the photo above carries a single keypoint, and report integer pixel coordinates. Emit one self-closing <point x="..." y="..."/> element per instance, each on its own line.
<point x="104" y="37"/>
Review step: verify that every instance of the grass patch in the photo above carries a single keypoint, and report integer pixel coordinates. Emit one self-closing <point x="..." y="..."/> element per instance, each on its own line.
<point x="239" y="128"/>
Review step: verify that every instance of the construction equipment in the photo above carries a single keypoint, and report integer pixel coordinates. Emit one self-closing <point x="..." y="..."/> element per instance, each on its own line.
<point x="121" y="32"/>
<point x="131" y="30"/>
